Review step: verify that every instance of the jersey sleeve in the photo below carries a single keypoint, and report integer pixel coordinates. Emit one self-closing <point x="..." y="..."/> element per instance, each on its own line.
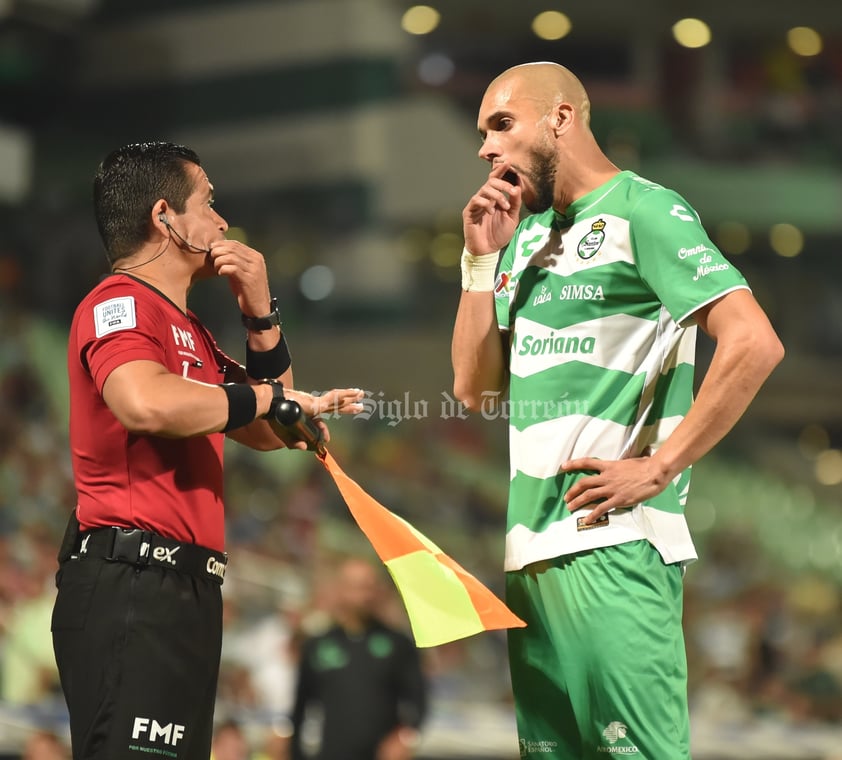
<point x="116" y="329"/>
<point x="676" y="257"/>
<point x="503" y="285"/>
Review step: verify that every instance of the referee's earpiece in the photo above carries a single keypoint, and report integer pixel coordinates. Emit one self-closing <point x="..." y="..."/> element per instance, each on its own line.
<point x="163" y="218"/>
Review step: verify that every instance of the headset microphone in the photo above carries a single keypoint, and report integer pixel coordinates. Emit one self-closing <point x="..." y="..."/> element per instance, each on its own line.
<point x="193" y="248"/>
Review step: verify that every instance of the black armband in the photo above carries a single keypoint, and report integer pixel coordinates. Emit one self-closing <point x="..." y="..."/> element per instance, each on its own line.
<point x="271" y="363"/>
<point x="242" y="405"/>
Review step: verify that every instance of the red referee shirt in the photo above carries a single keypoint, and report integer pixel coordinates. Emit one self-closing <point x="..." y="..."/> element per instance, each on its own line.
<point x="171" y="486"/>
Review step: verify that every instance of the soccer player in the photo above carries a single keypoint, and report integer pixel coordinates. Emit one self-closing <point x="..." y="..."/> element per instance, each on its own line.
<point x="590" y="326"/>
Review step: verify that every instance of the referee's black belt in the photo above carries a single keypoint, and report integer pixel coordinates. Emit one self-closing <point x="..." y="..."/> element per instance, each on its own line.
<point x="141" y="548"/>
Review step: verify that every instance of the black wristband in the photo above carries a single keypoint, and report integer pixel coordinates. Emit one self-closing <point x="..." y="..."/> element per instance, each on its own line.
<point x="277" y="396"/>
<point x="242" y="405"/>
<point x="259" y="324"/>
<point x="271" y="363"/>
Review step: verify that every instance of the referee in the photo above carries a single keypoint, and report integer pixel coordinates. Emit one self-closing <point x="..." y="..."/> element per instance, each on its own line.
<point x="137" y="622"/>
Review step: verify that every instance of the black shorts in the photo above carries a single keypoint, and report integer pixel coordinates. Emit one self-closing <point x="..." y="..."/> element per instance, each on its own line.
<point x="138" y="655"/>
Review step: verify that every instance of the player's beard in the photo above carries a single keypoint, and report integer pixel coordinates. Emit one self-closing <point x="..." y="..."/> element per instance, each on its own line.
<point x="541" y="176"/>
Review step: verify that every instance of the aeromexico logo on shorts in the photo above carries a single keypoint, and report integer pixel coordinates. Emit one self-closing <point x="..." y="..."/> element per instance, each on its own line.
<point x="616" y="734"/>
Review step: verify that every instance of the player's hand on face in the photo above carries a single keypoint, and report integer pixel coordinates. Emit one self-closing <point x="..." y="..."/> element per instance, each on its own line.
<point x="245" y="269"/>
<point x="493" y="212"/>
<point x="614" y="484"/>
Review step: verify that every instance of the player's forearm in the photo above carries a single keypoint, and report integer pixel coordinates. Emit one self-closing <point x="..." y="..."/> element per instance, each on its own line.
<point x="476" y="350"/>
<point x="737" y="372"/>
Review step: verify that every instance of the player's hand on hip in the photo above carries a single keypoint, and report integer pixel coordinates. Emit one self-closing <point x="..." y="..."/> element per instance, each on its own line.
<point x="492" y="214"/>
<point x="245" y="269"/>
<point x="614" y="484"/>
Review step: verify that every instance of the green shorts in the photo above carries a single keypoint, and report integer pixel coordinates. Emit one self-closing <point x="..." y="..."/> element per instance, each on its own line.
<point x="600" y="670"/>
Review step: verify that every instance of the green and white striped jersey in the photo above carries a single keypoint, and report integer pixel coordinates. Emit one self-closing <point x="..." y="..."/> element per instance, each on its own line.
<point x="598" y="306"/>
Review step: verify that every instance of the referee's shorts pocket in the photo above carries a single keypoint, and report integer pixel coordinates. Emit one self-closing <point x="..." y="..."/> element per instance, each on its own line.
<point x="76" y="581"/>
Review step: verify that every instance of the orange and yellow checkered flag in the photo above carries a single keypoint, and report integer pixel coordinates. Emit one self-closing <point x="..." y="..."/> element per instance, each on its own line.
<point x="444" y="602"/>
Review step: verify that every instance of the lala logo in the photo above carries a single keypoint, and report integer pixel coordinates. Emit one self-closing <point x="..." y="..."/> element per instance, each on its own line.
<point x="544" y="296"/>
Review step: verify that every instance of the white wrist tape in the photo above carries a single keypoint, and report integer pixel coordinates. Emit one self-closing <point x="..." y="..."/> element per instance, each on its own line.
<point x="478" y="272"/>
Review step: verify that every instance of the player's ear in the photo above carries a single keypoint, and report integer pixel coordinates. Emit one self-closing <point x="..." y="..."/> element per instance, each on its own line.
<point x="562" y="118"/>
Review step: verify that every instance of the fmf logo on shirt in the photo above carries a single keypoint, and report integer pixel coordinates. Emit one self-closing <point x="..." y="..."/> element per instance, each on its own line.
<point x="183" y="337"/>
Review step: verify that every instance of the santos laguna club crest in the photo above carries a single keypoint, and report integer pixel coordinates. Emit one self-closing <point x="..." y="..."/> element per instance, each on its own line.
<point x="592" y="242"/>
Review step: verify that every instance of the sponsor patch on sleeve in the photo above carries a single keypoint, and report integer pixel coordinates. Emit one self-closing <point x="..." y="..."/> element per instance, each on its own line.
<point x="114" y="314"/>
<point x="501" y="284"/>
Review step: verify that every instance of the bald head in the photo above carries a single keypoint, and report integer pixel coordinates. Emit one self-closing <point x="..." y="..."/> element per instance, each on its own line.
<point x="534" y="122"/>
<point x="548" y="84"/>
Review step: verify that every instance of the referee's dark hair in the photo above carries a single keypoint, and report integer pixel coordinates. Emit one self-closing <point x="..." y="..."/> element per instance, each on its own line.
<point x="127" y="184"/>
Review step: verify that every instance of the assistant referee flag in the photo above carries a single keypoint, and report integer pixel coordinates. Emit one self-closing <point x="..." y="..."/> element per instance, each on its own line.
<point x="444" y="601"/>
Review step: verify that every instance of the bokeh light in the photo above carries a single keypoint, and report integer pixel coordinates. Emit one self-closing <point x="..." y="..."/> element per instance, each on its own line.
<point x="551" y="25"/>
<point x="446" y="249"/>
<point x="804" y="40"/>
<point x="436" y="69"/>
<point x="812" y="440"/>
<point x="828" y="468"/>
<point x="691" y="33"/>
<point x="786" y="240"/>
<point x="420" y="19"/>
<point x="317" y="282"/>
<point x="733" y="238"/>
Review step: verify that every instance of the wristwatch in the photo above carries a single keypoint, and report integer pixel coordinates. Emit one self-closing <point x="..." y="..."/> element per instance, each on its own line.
<point x="277" y="395"/>
<point x="258" y="324"/>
